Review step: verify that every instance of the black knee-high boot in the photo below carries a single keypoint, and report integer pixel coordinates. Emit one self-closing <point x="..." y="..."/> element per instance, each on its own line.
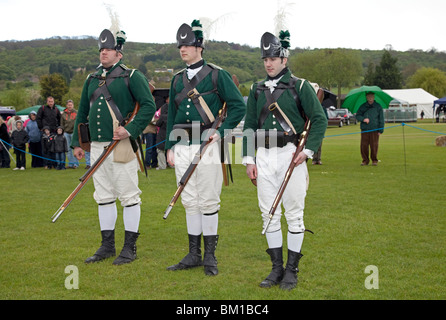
<point x="209" y="260"/>
<point x="277" y="271"/>
<point x="107" y="248"/>
<point x="289" y="280"/>
<point x="128" y="252"/>
<point x="193" y="258"/>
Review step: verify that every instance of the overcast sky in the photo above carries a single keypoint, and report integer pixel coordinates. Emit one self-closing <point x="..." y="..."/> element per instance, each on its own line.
<point x="358" y="24"/>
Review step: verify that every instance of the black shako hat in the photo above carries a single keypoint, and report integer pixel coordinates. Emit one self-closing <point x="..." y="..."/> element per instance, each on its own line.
<point x="108" y="41"/>
<point x="190" y="35"/>
<point x="271" y="46"/>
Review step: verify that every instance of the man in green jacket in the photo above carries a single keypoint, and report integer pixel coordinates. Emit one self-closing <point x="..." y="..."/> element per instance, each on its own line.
<point x="371" y="116"/>
<point x="197" y="94"/>
<point x="276" y="112"/>
<point x="108" y="98"/>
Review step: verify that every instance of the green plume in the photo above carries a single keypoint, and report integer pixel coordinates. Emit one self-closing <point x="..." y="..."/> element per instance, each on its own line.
<point x="197" y="28"/>
<point x="284" y="37"/>
<point x="120" y="37"/>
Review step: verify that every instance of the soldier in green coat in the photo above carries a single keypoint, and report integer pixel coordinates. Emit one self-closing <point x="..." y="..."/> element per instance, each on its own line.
<point x="108" y="98"/>
<point x="197" y="94"/>
<point x="276" y="112"/>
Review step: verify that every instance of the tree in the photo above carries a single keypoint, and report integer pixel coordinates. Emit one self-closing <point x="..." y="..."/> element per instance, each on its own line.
<point x="344" y="68"/>
<point x="329" y="68"/>
<point x="6" y="73"/>
<point x="430" y="79"/>
<point x="16" y="97"/>
<point x="61" y="68"/>
<point x="369" y="77"/>
<point x="53" y="85"/>
<point x="387" y="75"/>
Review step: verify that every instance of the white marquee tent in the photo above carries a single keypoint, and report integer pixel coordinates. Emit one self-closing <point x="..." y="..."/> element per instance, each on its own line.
<point x="419" y="97"/>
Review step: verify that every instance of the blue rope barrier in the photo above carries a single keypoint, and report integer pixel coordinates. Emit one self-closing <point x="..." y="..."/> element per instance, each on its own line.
<point x="330" y="136"/>
<point x="386" y="128"/>
<point x="34" y="155"/>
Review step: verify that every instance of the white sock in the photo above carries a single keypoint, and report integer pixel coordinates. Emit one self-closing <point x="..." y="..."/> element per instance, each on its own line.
<point x="210" y="224"/>
<point x="193" y="222"/>
<point x="107" y="216"/>
<point x="131" y="216"/>
<point x="294" y="241"/>
<point x="274" y="239"/>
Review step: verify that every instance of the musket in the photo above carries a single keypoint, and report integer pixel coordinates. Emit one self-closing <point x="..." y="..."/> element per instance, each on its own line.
<point x="302" y="141"/>
<point x="84" y="179"/>
<point x="190" y="170"/>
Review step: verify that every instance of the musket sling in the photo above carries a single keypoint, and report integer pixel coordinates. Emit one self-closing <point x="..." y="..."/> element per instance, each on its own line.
<point x="191" y="92"/>
<point x="277" y="138"/>
<point x="124" y="151"/>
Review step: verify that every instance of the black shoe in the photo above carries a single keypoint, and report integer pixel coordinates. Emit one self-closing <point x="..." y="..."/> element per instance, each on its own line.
<point x="107" y="248"/>
<point x="277" y="271"/>
<point x="128" y="252"/>
<point x="193" y="258"/>
<point x="209" y="259"/>
<point x="289" y="280"/>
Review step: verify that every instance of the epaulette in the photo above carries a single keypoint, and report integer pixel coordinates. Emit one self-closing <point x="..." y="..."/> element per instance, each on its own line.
<point x="181" y="71"/>
<point x="124" y="67"/>
<point x="214" y="66"/>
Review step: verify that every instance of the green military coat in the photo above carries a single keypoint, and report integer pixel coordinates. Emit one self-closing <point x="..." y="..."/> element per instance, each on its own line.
<point x="98" y="115"/>
<point x="186" y="112"/>
<point x="309" y="102"/>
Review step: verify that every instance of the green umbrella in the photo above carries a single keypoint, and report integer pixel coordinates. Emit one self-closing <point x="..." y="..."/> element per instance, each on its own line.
<point x="26" y="111"/>
<point x="357" y="97"/>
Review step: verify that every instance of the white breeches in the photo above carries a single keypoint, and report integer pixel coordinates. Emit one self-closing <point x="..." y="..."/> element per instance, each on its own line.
<point x="202" y="192"/>
<point x="115" y="180"/>
<point x="272" y="165"/>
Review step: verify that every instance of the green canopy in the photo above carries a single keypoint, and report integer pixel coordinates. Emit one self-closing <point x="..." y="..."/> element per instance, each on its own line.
<point x="25" y="112"/>
<point x="357" y="97"/>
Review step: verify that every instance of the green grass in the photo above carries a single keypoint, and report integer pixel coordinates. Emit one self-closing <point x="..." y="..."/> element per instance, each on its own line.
<point x="391" y="216"/>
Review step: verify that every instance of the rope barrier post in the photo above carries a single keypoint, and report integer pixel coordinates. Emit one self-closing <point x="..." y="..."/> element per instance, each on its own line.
<point x="404" y="147"/>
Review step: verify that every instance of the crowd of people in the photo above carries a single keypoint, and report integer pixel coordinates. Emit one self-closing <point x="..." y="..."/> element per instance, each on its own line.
<point x="47" y="133"/>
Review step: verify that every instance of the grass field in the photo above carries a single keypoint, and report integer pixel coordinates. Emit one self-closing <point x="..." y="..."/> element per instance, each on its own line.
<point x="391" y="217"/>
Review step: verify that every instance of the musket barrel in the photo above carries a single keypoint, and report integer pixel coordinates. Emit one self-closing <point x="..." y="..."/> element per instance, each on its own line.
<point x="167" y="212"/>
<point x="57" y="214"/>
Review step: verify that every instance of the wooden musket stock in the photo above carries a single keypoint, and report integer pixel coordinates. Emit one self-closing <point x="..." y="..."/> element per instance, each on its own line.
<point x="302" y="141"/>
<point x="84" y="179"/>
<point x="190" y="170"/>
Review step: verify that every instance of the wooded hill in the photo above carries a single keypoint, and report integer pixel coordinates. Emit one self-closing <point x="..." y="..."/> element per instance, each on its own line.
<point x="28" y="60"/>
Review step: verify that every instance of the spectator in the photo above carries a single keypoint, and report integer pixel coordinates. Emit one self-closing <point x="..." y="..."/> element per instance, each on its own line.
<point x="161" y="123"/>
<point x="35" y="137"/>
<point x="12" y="123"/>
<point x="59" y="148"/>
<point x="48" y="155"/>
<point x="19" y="139"/>
<point x="371" y="116"/>
<point x="4" y="145"/>
<point x="48" y="115"/>
<point x="67" y="120"/>
<point x="150" y="139"/>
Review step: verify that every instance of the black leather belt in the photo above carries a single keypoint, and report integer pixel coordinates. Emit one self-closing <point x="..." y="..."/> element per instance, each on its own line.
<point x="273" y="138"/>
<point x="189" y="131"/>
